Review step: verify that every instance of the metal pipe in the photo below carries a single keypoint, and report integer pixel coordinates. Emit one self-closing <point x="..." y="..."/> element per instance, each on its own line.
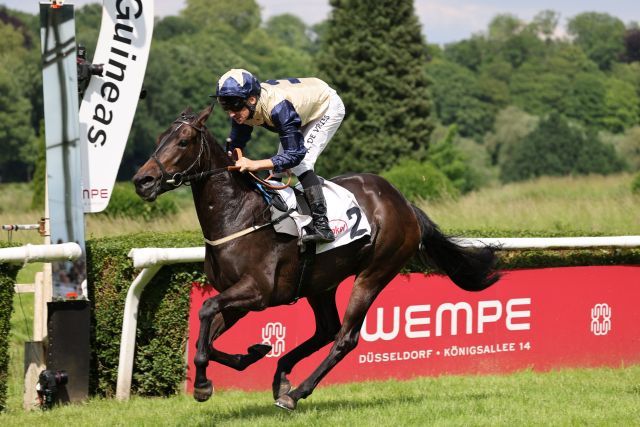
<point x="129" y="324"/>
<point x="41" y="253"/>
<point x="553" y="242"/>
<point x="146" y="257"/>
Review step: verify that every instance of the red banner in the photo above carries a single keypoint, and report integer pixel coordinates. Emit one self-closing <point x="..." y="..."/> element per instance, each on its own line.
<point x="424" y="325"/>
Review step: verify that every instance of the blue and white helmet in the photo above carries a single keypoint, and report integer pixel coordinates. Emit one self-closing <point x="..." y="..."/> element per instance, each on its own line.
<point x="238" y="83"/>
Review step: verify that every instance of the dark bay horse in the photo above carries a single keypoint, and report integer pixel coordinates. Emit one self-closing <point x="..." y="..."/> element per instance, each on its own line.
<point x="261" y="269"/>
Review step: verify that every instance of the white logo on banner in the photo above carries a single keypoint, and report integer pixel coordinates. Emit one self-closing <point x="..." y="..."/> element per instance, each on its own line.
<point x="601" y="319"/>
<point x="277" y="331"/>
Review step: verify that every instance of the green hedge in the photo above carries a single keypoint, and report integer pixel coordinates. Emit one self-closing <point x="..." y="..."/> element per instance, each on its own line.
<point x="8" y="273"/>
<point x="159" y="367"/>
<point x="126" y="203"/>
<point x="420" y="181"/>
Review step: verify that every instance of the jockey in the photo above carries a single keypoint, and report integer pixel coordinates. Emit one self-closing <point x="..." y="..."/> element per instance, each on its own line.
<point x="305" y="113"/>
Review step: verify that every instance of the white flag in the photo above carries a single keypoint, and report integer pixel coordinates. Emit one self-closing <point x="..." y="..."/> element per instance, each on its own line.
<point x="110" y="101"/>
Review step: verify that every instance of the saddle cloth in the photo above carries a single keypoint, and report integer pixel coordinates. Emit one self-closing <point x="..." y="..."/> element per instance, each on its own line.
<point x="347" y="221"/>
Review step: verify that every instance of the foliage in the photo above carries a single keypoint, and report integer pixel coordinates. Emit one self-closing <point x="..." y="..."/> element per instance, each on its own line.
<point x="512" y="125"/>
<point x="416" y="181"/>
<point x="556" y="148"/>
<point x="377" y="60"/>
<point x="233" y="16"/>
<point x="162" y="320"/>
<point x="622" y="106"/>
<point x="372" y="54"/>
<point x="632" y="45"/>
<point x="8" y="274"/>
<point x="16" y="131"/>
<point x="125" y="202"/>
<point x="458" y="98"/>
<point x="599" y="35"/>
<point x="452" y="162"/>
<point x="40" y="174"/>
<point x="635" y="185"/>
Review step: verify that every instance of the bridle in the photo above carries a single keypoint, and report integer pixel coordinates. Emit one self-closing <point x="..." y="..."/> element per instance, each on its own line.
<point x="169" y="181"/>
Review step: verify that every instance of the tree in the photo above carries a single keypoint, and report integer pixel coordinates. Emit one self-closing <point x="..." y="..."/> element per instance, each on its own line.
<point x="469" y="53"/>
<point x="240" y="16"/>
<point x="373" y="54"/>
<point x="512" y="125"/>
<point x="586" y="101"/>
<point x="17" y="134"/>
<point x="545" y="24"/>
<point x="628" y="147"/>
<point x="459" y="100"/>
<point x="290" y="30"/>
<point x="632" y="45"/>
<point x="557" y="148"/>
<point x="452" y="162"/>
<point x="540" y="87"/>
<point x="600" y="35"/>
<point x="510" y="39"/>
<point x="622" y="106"/>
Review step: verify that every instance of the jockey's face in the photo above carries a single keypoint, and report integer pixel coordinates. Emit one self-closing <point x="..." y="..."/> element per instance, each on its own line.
<point x="243" y="115"/>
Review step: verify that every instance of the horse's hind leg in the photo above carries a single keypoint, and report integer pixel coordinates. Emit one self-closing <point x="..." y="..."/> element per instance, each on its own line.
<point x="245" y="296"/>
<point x="222" y="322"/>
<point x="327" y="326"/>
<point x="363" y="294"/>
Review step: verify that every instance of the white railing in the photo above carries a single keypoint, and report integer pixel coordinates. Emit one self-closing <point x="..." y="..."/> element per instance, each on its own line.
<point x="152" y="259"/>
<point x="41" y="253"/>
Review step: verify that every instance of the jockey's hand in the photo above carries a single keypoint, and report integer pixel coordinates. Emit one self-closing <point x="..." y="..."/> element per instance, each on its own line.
<point x="247" y="165"/>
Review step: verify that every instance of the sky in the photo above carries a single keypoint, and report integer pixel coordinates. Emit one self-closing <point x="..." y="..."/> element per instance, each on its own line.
<point x="443" y="21"/>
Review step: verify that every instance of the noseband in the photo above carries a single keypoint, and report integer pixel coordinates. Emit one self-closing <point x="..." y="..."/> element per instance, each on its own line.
<point x="169" y="181"/>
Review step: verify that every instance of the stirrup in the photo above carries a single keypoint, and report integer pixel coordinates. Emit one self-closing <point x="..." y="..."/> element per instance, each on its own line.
<point x="319" y="237"/>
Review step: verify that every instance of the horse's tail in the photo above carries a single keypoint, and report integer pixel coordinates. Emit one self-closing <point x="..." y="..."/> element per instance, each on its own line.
<point x="472" y="269"/>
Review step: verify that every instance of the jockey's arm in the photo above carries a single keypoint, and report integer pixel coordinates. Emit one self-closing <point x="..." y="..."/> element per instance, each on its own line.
<point x="254" y="165"/>
<point x="239" y="135"/>
<point x="288" y="123"/>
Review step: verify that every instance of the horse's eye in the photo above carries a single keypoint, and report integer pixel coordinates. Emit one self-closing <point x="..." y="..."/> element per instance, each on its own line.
<point x="183" y="143"/>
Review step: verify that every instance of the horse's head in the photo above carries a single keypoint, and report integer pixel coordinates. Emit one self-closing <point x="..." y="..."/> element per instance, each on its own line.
<point x="181" y="151"/>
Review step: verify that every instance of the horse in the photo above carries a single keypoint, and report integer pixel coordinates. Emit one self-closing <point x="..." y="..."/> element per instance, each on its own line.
<point x="255" y="271"/>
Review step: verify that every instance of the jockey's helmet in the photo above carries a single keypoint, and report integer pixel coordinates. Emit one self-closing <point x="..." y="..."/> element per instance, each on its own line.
<point x="235" y="87"/>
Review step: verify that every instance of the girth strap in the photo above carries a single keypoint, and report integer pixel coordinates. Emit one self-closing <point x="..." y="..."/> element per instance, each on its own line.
<point x="247" y="230"/>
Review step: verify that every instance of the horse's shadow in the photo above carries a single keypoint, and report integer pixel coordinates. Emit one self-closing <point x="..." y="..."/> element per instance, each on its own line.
<point x="268" y="412"/>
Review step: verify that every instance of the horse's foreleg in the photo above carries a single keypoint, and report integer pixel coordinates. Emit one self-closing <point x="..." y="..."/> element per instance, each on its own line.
<point x="327" y="326"/>
<point x="363" y="294"/>
<point x="221" y="323"/>
<point x="243" y="296"/>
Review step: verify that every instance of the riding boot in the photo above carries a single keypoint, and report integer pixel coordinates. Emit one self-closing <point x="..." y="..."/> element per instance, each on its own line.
<point x="321" y="232"/>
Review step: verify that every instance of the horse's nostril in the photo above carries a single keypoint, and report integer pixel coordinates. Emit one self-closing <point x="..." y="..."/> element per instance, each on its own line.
<point x="143" y="181"/>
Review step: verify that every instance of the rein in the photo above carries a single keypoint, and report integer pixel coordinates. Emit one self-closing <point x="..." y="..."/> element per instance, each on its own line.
<point x="181" y="178"/>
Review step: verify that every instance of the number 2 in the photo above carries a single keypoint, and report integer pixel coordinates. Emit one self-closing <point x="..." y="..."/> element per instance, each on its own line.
<point x="354" y="230"/>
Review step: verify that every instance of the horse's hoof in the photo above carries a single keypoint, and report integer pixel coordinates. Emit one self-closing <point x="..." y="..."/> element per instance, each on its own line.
<point x="286" y="402"/>
<point x="202" y="394"/>
<point x="260" y="350"/>
<point x="283" y="388"/>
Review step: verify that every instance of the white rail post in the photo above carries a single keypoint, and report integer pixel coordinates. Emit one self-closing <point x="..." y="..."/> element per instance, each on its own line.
<point x="129" y="325"/>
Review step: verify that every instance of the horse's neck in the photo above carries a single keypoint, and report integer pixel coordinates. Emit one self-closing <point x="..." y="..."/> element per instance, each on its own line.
<point x="224" y="203"/>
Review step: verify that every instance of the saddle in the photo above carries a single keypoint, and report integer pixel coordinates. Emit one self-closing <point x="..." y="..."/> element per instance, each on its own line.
<point x="290" y="214"/>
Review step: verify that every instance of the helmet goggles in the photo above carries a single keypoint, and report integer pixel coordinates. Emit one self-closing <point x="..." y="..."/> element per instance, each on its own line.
<point x="232" y="103"/>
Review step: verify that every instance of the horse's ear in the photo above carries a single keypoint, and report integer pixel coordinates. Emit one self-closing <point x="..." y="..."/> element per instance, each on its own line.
<point x="204" y="114"/>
